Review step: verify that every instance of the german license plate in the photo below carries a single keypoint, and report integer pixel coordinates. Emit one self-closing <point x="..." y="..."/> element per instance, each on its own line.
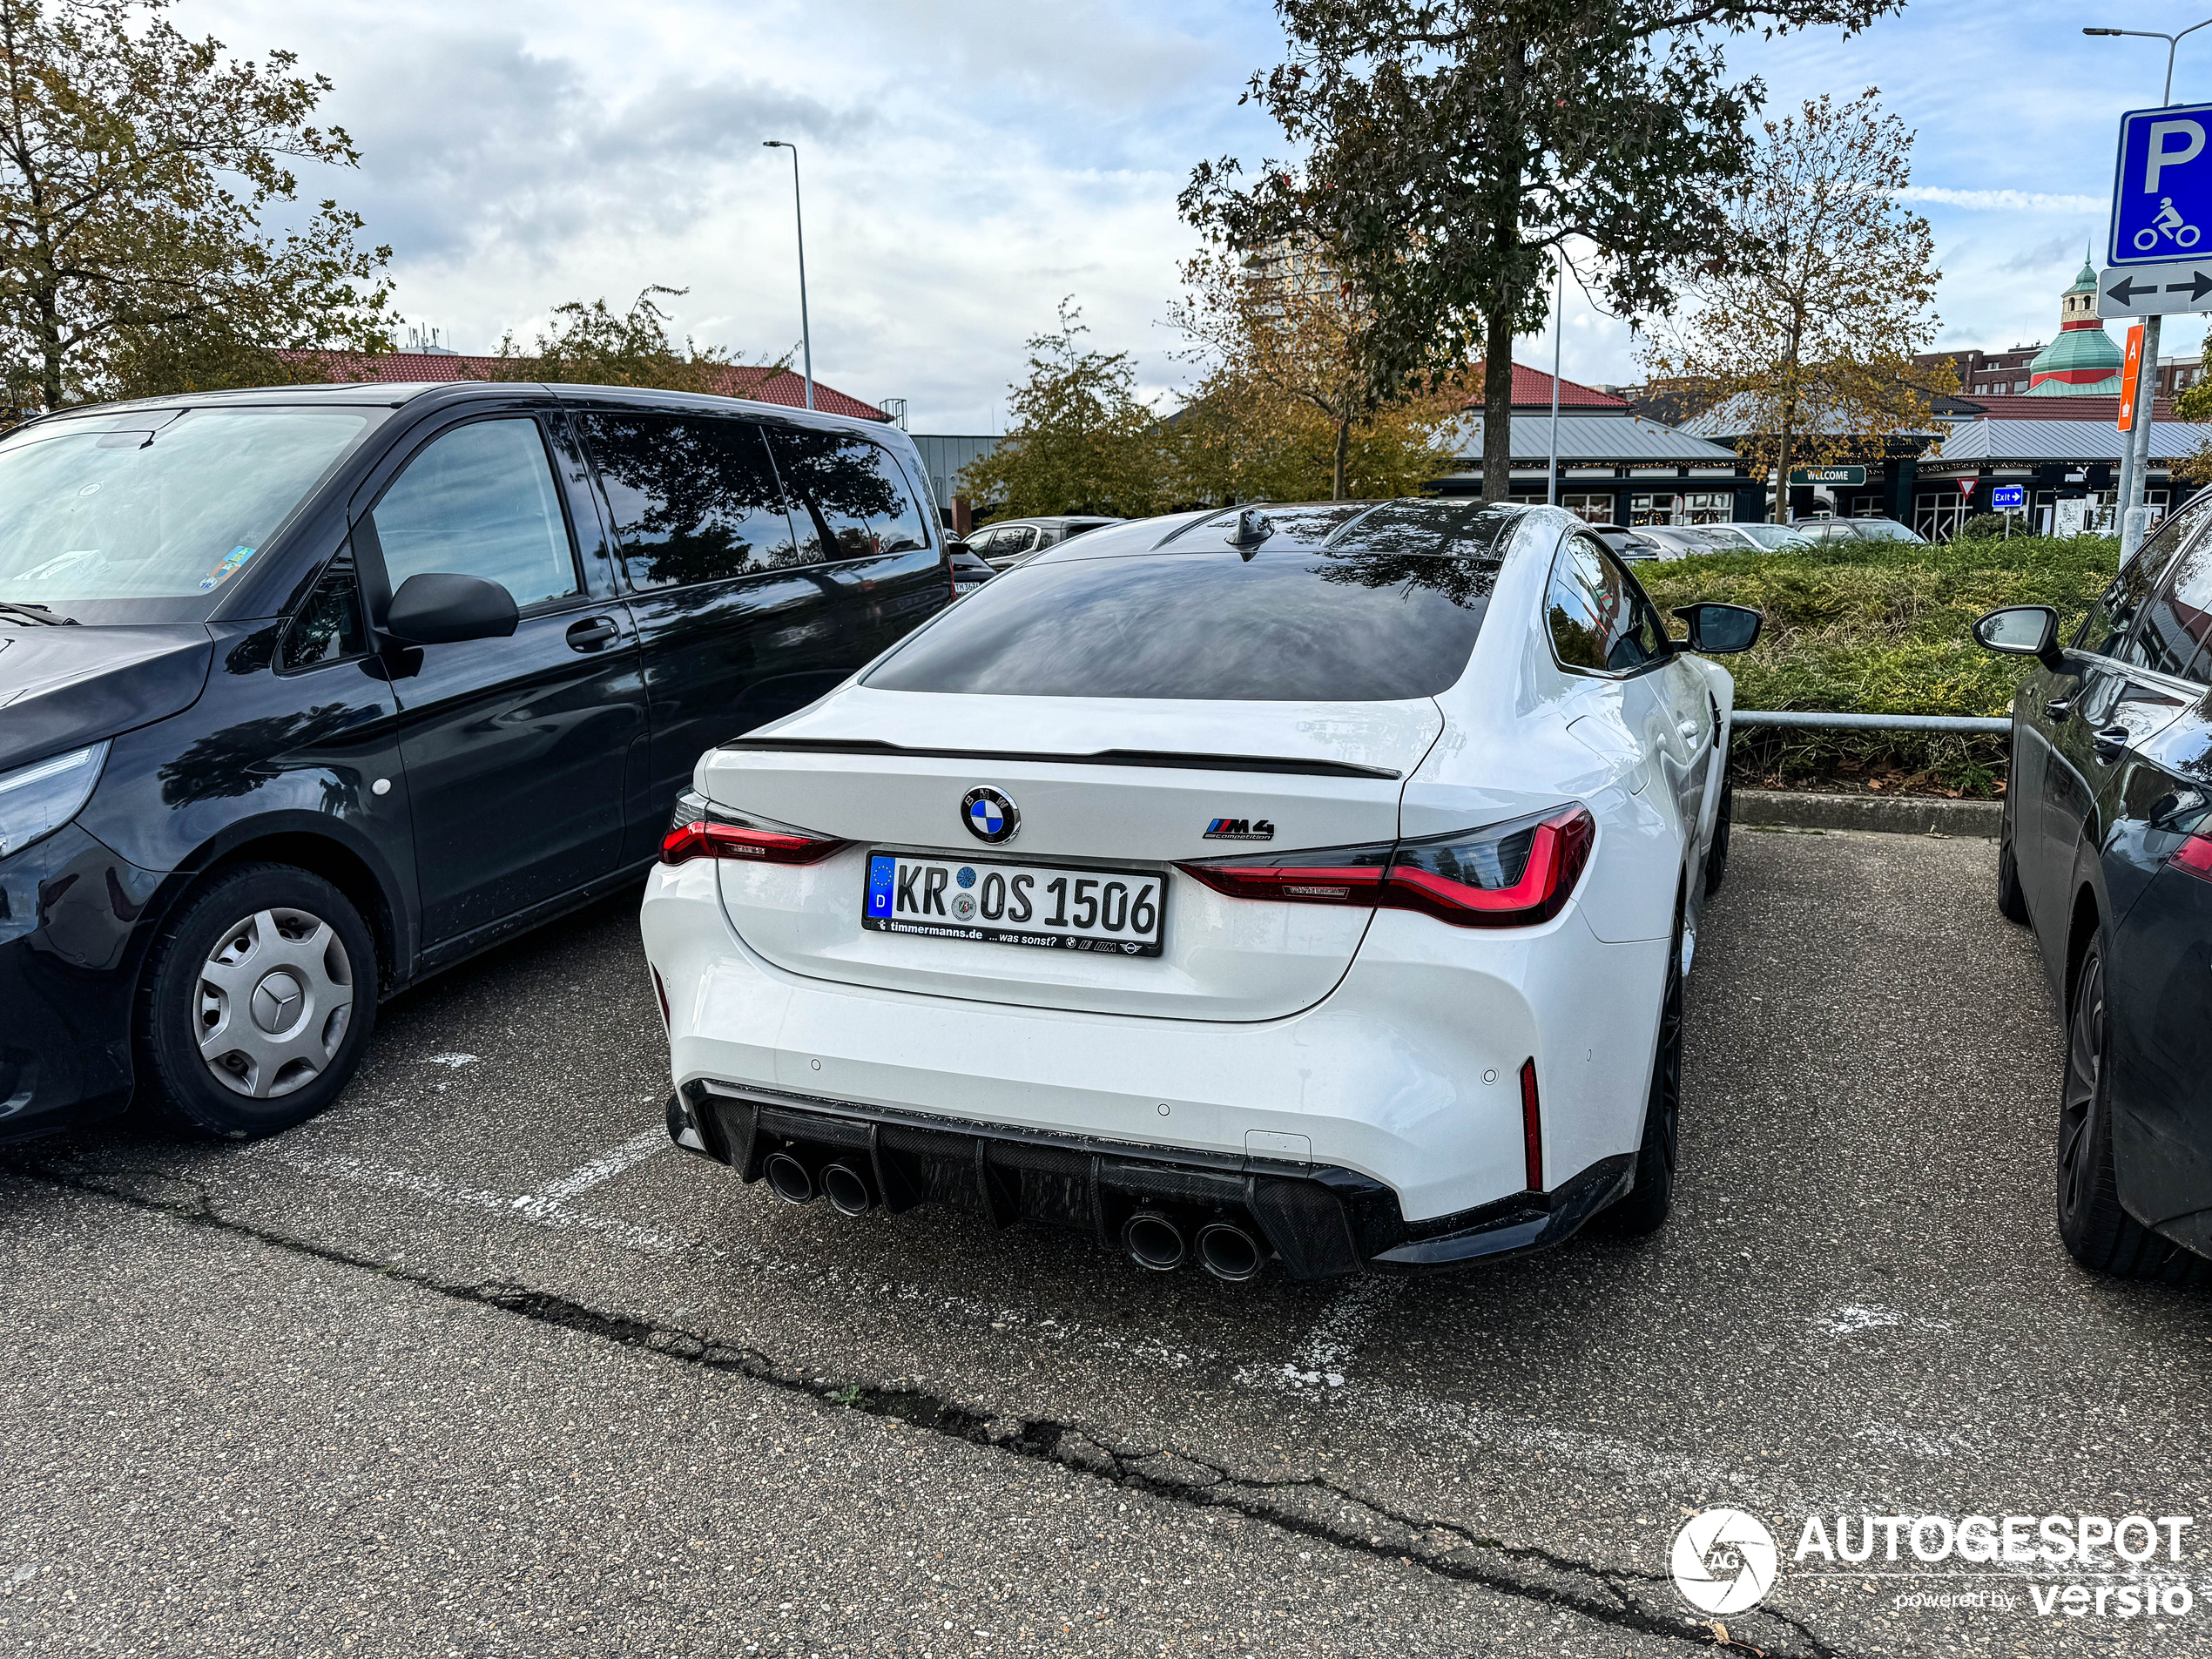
<point x="1050" y="907"/>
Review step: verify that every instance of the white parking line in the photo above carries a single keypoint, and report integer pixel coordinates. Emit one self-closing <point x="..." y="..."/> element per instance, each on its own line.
<point x="1322" y="1359"/>
<point x="632" y="1153"/>
<point x="531" y="1208"/>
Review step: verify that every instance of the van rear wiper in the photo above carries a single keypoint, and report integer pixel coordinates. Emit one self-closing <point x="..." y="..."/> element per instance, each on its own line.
<point x="12" y="612"/>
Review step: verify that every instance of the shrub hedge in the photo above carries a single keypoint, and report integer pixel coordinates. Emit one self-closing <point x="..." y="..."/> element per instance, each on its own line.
<point x="1884" y="628"/>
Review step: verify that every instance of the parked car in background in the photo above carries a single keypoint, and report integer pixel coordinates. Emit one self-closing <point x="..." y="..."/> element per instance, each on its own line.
<point x="1232" y="885"/>
<point x="2106" y="850"/>
<point x="1625" y="543"/>
<point x="309" y="692"/>
<point x="1818" y="531"/>
<point x="1686" y="541"/>
<point x="1772" y="538"/>
<point x="1009" y="541"/>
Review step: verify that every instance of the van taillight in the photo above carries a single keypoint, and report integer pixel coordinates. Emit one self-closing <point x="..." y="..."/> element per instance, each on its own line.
<point x="1504" y="875"/>
<point x="698" y="830"/>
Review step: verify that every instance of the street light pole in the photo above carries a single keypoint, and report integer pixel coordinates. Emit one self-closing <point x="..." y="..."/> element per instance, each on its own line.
<point x="798" y="223"/>
<point x="1551" y="487"/>
<point x="2135" y="456"/>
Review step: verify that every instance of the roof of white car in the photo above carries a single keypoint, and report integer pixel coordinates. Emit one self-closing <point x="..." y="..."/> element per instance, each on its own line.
<point x="1432" y="526"/>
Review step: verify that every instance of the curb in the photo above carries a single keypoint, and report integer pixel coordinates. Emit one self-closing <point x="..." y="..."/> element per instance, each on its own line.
<point x="1896" y="814"/>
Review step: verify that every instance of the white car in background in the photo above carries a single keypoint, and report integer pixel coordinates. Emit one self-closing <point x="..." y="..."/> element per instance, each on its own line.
<point x="1313" y="886"/>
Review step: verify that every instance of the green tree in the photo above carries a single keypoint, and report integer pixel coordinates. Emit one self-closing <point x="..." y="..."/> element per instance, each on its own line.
<point x="1078" y="440"/>
<point x="589" y="344"/>
<point x="1287" y="410"/>
<point x="136" y="169"/>
<point x="1807" y="342"/>
<point x="1453" y="146"/>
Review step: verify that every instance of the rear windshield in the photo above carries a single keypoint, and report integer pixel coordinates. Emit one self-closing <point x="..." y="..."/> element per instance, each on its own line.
<point x="1290" y="624"/>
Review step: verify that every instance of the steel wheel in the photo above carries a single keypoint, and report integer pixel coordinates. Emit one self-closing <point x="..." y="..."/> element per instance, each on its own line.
<point x="274" y="999"/>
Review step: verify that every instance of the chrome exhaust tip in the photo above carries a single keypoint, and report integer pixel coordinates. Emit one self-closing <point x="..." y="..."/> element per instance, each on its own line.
<point x="788" y="1178"/>
<point x="1229" y="1253"/>
<point x="1153" y="1241"/>
<point x="847" y="1189"/>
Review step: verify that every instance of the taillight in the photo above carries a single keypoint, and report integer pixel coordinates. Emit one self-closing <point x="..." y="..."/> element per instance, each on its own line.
<point x="1509" y="875"/>
<point x="699" y="830"/>
<point x="2194" y="855"/>
<point x="1350" y="875"/>
<point x="1506" y="875"/>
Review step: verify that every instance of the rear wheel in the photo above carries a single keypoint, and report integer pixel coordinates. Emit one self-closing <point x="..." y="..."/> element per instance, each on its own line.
<point x="2096" y="1230"/>
<point x="1646" y="1208"/>
<point x="2012" y="902"/>
<point x="258" y="1000"/>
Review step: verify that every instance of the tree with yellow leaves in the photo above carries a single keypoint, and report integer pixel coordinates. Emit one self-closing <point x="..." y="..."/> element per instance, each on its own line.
<point x="1802" y="337"/>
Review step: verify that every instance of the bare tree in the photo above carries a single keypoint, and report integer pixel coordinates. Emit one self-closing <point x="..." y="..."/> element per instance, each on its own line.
<point x="1805" y="343"/>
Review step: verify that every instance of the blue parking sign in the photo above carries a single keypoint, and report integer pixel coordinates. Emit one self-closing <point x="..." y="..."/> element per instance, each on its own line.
<point x="2162" y="187"/>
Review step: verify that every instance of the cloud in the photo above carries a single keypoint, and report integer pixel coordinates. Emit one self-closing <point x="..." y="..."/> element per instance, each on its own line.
<point x="2011" y="201"/>
<point x="2059" y="250"/>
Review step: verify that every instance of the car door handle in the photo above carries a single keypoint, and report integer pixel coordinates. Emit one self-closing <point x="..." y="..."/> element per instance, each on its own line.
<point x="2112" y="742"/>
<point x="592" y="632"/>
<point x="2059" y="708"/>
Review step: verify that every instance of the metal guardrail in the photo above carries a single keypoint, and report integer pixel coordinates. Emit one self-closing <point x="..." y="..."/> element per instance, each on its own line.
<point x="1791" y="717"/>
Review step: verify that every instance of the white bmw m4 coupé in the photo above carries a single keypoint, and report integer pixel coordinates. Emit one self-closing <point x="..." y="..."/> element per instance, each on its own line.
<point x="1311" y="887"/>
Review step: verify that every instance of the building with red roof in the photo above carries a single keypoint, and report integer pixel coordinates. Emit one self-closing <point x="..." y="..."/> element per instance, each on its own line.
<point x="760" y="384"/>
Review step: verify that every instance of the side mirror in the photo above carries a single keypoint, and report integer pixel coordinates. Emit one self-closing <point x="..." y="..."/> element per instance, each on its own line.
<point x="437" y="609"/>
<point x="1718" y="630"/>
<point x="2023" y="630"/>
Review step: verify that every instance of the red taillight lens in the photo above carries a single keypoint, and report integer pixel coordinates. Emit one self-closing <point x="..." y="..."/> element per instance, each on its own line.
<point x="1507" y="875"/>
<point x="2194" y="855"/>
<point x="1351" y="875"/>
<point x="696" y="832"/>
<point x="1510" y="875"/>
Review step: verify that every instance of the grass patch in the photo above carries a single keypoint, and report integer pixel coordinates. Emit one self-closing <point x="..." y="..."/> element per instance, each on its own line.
<point x="1884" y="628"/>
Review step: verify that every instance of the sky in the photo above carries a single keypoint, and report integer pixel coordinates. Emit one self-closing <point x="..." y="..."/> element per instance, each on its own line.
<point x="969" y="165"/>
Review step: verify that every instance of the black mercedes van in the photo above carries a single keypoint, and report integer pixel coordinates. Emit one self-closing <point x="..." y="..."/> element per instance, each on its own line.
<point x="308" y="692"/>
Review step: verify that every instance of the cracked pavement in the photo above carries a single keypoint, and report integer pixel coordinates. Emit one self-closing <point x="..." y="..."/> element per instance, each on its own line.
<point x="476" y="1363"/>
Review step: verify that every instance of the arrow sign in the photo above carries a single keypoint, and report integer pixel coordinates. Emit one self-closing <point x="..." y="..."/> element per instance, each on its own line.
<point x="2155" y="290"/>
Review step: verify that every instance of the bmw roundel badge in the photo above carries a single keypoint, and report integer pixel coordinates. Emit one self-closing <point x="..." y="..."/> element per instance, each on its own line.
<point x="989" y="816"/>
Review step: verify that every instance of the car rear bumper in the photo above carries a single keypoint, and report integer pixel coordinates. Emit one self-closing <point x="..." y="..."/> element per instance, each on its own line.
<point x="1404" y="1080"/>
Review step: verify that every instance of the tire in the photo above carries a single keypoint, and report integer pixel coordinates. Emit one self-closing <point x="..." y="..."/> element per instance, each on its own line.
<point x="2011" y="902"/>
<point x="2095" y="1230"/>
<point x="1723" y="821"/>
<point x="260" y="944"/>
<point x="1647" y="1205"/>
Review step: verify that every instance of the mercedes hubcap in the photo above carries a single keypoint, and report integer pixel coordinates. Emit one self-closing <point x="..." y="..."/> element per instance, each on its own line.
<point x="275" y="997"/>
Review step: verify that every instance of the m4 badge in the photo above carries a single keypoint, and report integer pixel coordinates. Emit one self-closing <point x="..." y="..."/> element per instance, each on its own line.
<point x="1240" y="829"/>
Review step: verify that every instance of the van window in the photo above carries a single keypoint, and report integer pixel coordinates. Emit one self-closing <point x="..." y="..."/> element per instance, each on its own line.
<point x="478" y="501"/>
<point x="694" y="498"/>
<point x="849" y="492"/>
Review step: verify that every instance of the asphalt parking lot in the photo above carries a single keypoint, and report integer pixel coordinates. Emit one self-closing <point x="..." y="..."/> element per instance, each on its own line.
<point x="477" y="1364"/>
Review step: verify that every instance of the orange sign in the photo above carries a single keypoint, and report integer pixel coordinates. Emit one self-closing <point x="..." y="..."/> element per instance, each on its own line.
<point x="2129" y="376"/>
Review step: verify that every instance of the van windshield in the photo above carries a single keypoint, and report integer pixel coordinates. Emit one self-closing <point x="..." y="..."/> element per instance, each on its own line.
<point x="155" y="505"/>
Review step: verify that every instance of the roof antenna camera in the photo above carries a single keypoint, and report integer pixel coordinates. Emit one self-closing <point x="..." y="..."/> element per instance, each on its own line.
<point x="1253" y="527"/>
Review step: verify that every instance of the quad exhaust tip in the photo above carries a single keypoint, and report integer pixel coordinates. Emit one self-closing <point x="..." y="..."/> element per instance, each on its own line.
<point x="847" y="1189"/>
<point x="1153" y="1241"/>
<point x="788" y="1178"/>
<point x="1229" y="1253"/>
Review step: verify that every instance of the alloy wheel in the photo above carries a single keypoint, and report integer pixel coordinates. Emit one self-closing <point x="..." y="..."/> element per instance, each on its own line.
<point x="273" y="1000"/>
<point x="2078" y="1101"/>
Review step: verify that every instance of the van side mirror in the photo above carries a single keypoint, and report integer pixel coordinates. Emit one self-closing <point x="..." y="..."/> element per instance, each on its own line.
<point x="2023" y="630"/>
<point x="435" y="607"/>
<point x="1719" y="630"/>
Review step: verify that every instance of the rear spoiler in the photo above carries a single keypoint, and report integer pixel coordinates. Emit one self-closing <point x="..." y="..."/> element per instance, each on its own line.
<point x="1165" y="759"/>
